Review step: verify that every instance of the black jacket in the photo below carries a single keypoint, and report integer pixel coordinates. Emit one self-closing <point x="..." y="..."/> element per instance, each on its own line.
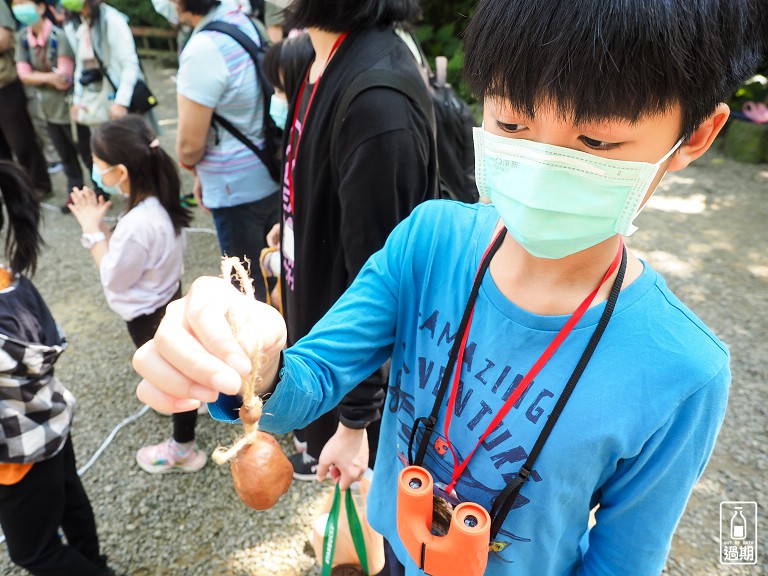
<point x="385" y="163"/>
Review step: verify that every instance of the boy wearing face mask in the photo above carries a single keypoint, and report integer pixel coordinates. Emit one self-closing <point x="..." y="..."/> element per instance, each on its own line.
<point x="538" y="368"/>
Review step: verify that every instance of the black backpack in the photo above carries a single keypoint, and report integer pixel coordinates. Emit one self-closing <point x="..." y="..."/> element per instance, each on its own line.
<point x="455" y="144"/>
<point x="270" y="154"/>
<point x="452" y="121"/>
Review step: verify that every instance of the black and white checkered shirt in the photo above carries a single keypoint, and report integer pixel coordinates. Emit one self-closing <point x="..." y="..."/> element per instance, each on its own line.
<point x="35" y="409"/>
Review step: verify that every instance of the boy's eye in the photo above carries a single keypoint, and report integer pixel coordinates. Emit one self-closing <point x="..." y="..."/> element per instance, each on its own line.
<point x="599" y="144"/>
<point x="511" y="128"/>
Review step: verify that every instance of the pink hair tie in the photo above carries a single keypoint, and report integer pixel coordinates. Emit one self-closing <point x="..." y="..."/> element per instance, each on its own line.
<point x="155" y="143"/>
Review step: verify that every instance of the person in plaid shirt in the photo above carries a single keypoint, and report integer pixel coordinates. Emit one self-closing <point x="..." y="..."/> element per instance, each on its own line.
<point x="40" y="490"/>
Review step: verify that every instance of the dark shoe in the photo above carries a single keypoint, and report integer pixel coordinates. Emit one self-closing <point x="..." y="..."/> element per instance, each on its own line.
<point x="65" y="207"/>
<point x="304" y="466"/>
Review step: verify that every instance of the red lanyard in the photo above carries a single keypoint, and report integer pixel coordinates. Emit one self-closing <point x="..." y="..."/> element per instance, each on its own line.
<point x="520" y="389"/>
<point x="295" y="148"/>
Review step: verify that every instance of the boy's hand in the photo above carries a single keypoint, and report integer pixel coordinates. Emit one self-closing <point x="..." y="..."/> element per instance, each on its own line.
<point x="345" y="456"/>
<point x="194" y="355"/>
<point x="88" y="209"/>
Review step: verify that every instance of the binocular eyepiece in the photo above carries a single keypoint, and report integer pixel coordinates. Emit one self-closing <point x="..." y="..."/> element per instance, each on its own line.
<point x="463" y="550"/>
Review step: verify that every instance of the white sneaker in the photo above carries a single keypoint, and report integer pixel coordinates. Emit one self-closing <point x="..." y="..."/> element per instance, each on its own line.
<point x="167" y="457"/>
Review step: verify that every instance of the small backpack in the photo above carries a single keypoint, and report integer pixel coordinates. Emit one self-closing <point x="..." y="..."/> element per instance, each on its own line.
<point x="455" y="144"/>
<point x="270" y="153"/>
<point x="454" y="121"/>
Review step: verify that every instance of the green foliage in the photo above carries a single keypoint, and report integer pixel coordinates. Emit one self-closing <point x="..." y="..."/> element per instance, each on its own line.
<point x="140" y="13"/>
<point x="439" y="32"/>
<point x="753" y="90"/>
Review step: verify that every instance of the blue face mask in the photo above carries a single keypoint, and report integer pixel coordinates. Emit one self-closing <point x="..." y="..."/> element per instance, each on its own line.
<point x="96" y="176"/>
<point x="278" y="109"/>
<point x="556" y="201"/>
<point x="26" y="14"/>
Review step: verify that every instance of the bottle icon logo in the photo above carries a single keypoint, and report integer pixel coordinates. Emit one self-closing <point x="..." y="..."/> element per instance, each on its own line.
<point x="738" y="525"/>
<point x="738" y="533"/>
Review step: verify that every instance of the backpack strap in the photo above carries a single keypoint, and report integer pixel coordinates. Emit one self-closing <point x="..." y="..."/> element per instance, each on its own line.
<point x="256" y="53"/>
<point x="415" y="91"/>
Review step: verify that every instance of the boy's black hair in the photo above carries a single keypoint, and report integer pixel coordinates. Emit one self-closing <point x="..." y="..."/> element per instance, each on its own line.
<point x="348" y="15"/>
<point x="198" y="7"/>
<point x="22" y="241"/>
<point x="285" y="61"/>
<point x="151" y="170"/>
<point x="614" y="59"/>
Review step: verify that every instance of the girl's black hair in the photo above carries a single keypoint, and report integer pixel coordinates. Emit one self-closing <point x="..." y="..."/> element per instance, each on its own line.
<point x="285" y="61"/>
<point x="22" y="241"/>
<point x="348" y="15"/>
<point x="198" y="7"/>
<point x="614" y="59"/>
<point x="48" y="14"/>
<point x="95" y="9"/>
<point x="151" y="170"/>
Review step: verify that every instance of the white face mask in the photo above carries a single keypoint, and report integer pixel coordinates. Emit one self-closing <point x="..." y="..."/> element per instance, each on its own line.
<point x="168" y="10"/>
<point x="556" y="201"/>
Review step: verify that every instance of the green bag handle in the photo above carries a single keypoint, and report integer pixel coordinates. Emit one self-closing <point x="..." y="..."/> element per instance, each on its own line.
<point x="331" y="531"/>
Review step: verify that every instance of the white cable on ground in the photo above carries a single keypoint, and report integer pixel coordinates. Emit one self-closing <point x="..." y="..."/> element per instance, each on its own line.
<point x="108" y="440"/>
<point x="206" y="230"/>
<point x="50" y="207"/>
<point x="83" y="469"/>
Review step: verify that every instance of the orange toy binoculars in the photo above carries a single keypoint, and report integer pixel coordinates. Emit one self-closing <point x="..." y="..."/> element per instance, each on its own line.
<point x="463" y="550"/>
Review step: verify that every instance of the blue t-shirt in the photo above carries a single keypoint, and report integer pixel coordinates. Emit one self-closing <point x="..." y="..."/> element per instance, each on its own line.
<point x="216" y="72"/>
<point x="634" y="437"/>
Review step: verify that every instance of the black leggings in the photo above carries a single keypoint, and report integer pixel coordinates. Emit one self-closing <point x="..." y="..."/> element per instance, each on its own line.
<point x="142" y="329"/>
<point x="61" y="136"/>
<point x="51" y="495"/>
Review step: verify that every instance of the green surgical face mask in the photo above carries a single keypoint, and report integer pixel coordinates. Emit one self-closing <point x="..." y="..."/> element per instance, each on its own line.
<point x="26" y="14"/>
<point x="556" y="201"/>
<point x="73" y="5"/>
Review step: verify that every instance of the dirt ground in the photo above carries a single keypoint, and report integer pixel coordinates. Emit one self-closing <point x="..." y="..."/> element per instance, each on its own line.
<point x="705" y="230"/>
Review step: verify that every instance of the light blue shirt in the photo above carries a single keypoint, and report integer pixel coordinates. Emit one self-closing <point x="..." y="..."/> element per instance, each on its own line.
<point x="634" y="437"/>
<point x="215" y="71"/>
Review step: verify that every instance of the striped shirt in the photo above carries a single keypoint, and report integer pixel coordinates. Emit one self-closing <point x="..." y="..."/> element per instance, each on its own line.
<point x="215" y="71"/>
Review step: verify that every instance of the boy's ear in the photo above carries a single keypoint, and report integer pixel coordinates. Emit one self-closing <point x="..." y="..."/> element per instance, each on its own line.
<point x="701" y="139"/>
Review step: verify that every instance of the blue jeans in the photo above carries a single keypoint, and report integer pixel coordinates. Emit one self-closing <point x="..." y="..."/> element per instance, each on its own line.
<point x="242" y="232"/>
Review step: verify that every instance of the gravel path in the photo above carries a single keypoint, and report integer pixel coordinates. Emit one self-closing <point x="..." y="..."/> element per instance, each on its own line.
<point x="705" y="231"/>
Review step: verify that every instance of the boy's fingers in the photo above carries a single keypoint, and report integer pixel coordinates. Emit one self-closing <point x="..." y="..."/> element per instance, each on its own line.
<point x="322" y="470"/>
<point x="159" y="400"/>
<point x="180" y="348"/>
<point x="206" y="307"/>
<point x="339" y="477"/>
<point x="163" y="376"/>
